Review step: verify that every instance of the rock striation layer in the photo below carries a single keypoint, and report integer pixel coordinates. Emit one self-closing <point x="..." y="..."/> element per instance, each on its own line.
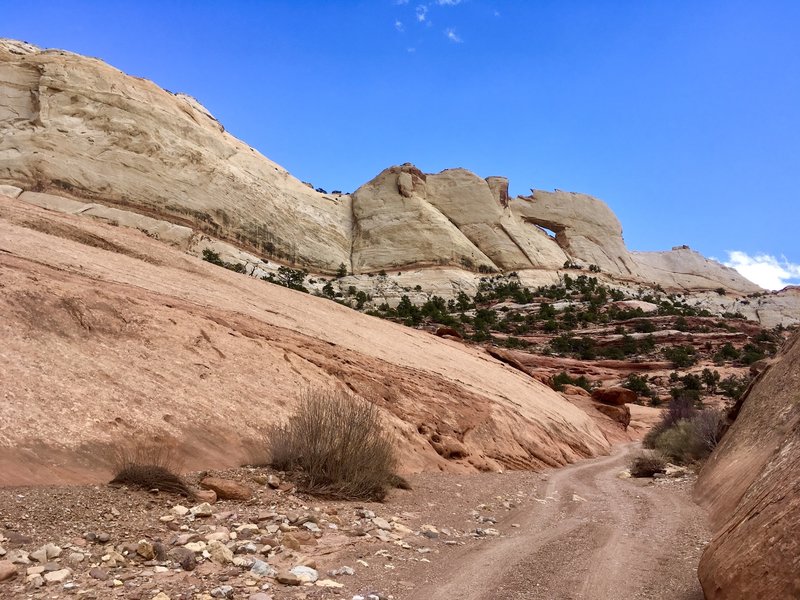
<point x="74" y="127"/>
<point x="111" y="337"/>
<point x="751" y="485"/>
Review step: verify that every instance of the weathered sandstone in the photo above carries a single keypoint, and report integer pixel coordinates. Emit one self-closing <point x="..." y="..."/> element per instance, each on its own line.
<point x="76" y="128"/>
<point x="112" y="337"/>
<point x="751" y="485"/>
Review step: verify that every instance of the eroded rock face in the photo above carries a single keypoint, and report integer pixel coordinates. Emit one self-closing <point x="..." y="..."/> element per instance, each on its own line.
<point x="396" y="226"/>
<point x="585" y="227"/>
<point x="751" y="485"/>
<point x="133" y="339"/>
<point x="81" y="128"/>
<point x="686" y="268"/>
<point x="75" y="127"/>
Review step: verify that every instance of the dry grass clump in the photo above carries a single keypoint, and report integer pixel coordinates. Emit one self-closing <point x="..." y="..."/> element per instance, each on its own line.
<point x="335" y="445"/>
<point x="647" y="464"/>
<point x="149" y="467"/>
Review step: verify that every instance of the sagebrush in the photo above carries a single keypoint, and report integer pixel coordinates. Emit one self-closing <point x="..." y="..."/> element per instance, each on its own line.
<point x="686" y="435"/>
<point x="335" y="445"/>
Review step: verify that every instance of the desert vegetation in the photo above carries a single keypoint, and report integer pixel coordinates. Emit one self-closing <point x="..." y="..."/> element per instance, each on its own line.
<point x="149" y="467"/>
<point x="686" y="435"/>
<point x="335" y="445"/>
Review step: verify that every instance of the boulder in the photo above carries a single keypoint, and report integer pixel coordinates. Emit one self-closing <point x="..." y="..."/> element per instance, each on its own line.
<point x="615" y="396"/>
<point x="227" y="489"/>
<point x="621" y="414"/>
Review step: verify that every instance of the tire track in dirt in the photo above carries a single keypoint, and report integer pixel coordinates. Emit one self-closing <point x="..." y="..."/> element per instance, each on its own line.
<point x="592" y="536"/>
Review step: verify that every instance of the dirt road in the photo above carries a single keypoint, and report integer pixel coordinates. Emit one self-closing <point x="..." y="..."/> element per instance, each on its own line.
<point x="590" y="536"/>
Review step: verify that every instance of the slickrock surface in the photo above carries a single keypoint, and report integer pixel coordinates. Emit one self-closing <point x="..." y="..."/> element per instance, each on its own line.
<point x="75" y="127"/>
<point x="110" y="336"/>
<point x="751" y="485"/>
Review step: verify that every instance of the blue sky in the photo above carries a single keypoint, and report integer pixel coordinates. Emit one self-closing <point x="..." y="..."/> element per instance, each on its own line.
<point x="684" y="116"/>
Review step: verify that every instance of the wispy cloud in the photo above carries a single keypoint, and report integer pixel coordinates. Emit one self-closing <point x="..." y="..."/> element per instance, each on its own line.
<point x="448" y="2"/>
<point x="422" y="13"/>
<point x="451" y="35"/>
<point x="764" y="269"/>
<point x="399" y="26"/>
<point x="401" y="2"/>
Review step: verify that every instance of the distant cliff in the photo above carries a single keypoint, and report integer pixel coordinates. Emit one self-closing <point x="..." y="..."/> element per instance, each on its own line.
<point x="74" y="127"/>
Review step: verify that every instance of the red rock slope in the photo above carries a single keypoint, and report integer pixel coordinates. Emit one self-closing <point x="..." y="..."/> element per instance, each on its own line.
<point x="752" y="487"/>
<point x="109" y="336"/>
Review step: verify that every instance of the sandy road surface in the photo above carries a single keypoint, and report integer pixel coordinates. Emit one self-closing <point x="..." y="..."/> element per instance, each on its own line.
<point x="590" y="536"/>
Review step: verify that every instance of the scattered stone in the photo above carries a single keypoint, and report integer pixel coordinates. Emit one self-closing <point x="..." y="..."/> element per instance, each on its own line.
<point x="7" y="570"/>
<point x="342" y="571"/>
<point x="145" y="550"/>
<point x="287" y="578"/>
<point x="328" y="583"/>
<point x="259" y="596"/>
<point x="223" y="591"/>
<point x="209" y="496"/>
<point x="219" y="552"/>
<point x="202" y="510"/>
<point x="273" y="482"/>
<point x="262" y="568"/>
<point x="98" y="573"/>
<point x="304" y="573"/>
<point x="59" y="576"/>
<point x="196" y="547"/>
<point x="161" y="596"/>
<point x="180" y="510"/>
<point x="184" y="557"/>
<point x="382" y="523"/>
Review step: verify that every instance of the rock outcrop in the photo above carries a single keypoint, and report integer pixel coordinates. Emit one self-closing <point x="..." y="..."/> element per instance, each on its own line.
<point x="79" y="128"/>
<point x="585" y="228"/>
<point x="751" y="485"/>
<point x="76" y="128"/>
<point x="111" y="337"/>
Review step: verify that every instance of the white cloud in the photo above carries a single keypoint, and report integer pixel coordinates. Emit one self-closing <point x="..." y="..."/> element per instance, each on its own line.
<point x="448" y="2"/>
<point x="767" y="271"/>
<point x="452" y="35"/>
<point x="422" y="13"/>
<point x="399" y="26"/>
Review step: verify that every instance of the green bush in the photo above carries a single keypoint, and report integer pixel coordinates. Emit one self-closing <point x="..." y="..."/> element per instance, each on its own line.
<point x="336" y="446"/>
<point x="559" y="381"/>
<point x="638" y="384"/>
<point x="680" y="356"/>
<point x="681" y="443"/>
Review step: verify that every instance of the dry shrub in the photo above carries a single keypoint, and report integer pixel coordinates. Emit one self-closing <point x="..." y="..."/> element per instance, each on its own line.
<point x="149" y="467"/>
<point x="647" y="464"/>
<point x="336" y="446"/>
<point x="681" y="444"/>
<point x="710" y="424"/>
<point x="688" y="438"/>
<point x="680" y="408"/>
